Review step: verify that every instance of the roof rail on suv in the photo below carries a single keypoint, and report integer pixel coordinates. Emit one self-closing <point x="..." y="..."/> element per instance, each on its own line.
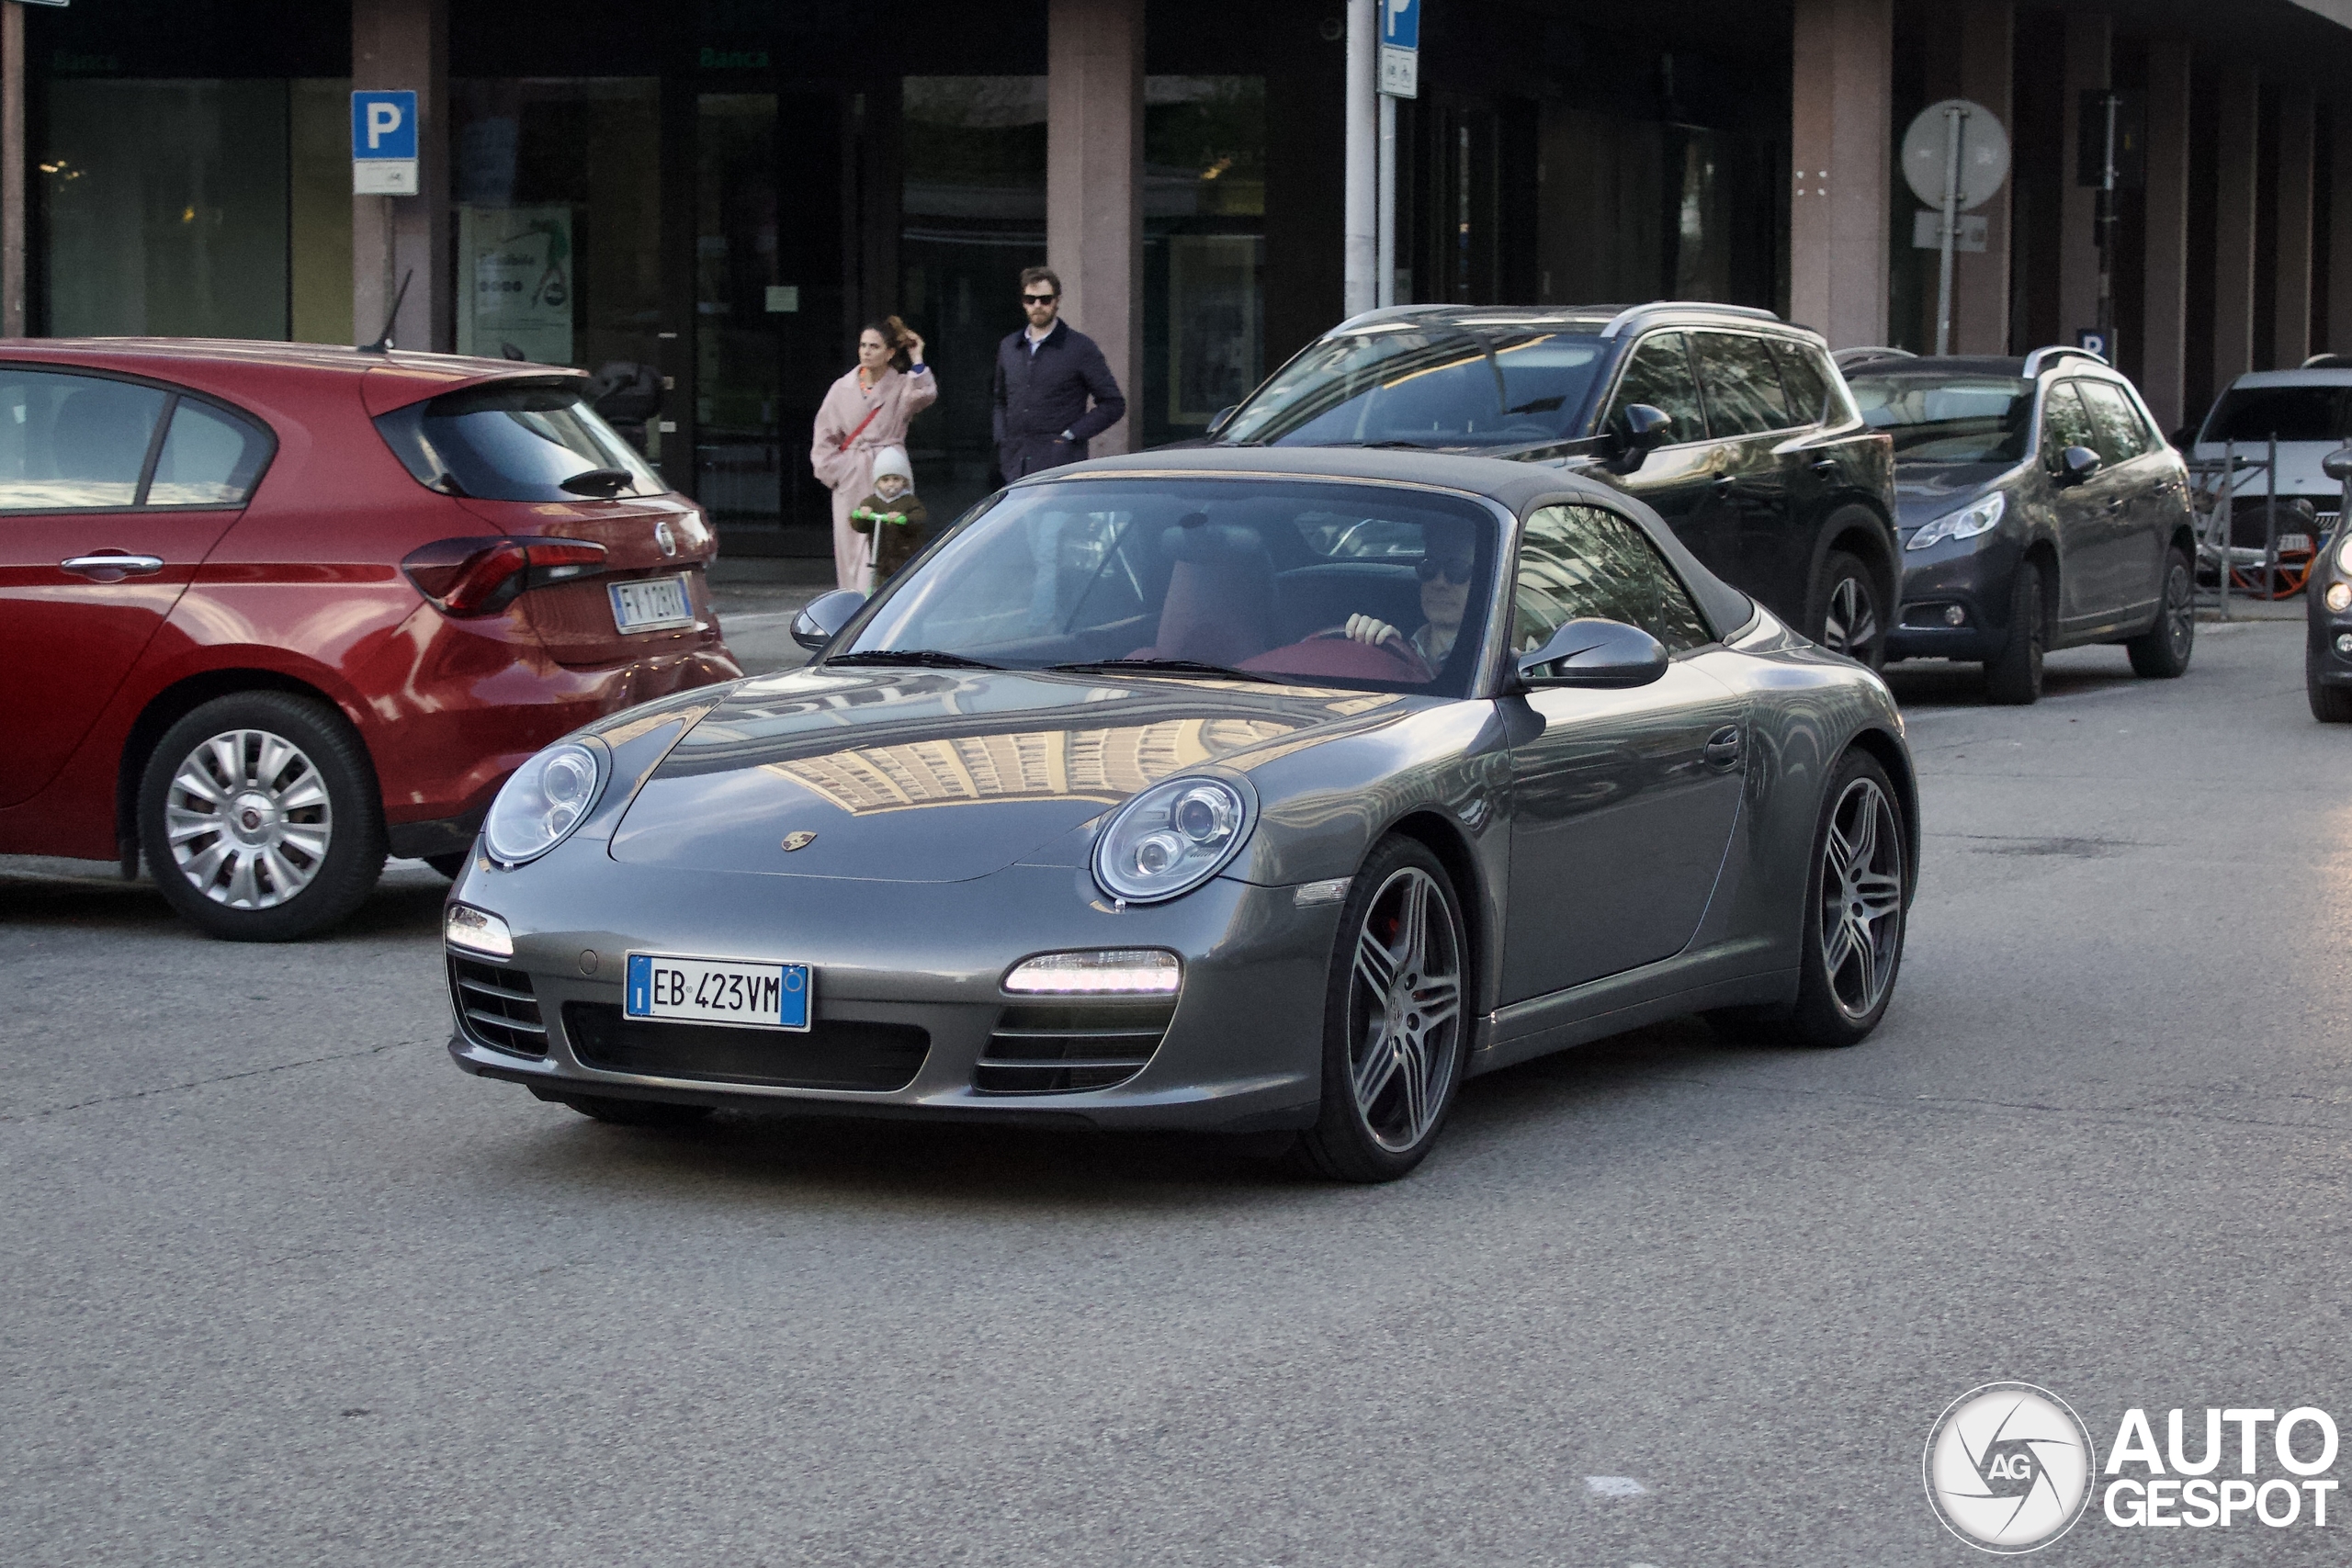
<point x="2041" y="357"/>
<point x="1631" y="313"/>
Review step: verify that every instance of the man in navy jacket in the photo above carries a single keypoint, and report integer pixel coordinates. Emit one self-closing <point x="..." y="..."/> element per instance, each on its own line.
<point x="1045" y="376"/>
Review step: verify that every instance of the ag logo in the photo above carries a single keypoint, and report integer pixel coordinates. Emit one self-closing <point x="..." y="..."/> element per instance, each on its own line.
<point x="2009" y="1467"/>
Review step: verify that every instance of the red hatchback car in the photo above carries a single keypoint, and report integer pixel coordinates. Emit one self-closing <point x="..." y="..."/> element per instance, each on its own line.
<point x="271" y="612"/>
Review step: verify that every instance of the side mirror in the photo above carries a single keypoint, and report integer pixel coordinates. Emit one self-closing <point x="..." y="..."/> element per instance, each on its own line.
<point x="2337" y="465"/>
<point x="1216" y="423"/>
<point x="825" y="616"/>
<point x="2077" y="464"/>
<point x="1606" y="654"/>
<point x="1635" y="431"/>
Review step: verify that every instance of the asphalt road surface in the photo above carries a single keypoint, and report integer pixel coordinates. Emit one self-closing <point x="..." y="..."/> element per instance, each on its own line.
<point x="283" y="1286"/>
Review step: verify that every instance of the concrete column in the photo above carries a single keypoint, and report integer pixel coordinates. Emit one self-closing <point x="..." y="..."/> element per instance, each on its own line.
<point x="2292" y="333"/>
<point x="1980" y="283"/>
<point x="2163" y="329"/>
<point x="2238" y="110"/>
<point x="405" y="44"/>
<point x="11" y="171"/>
<point x="2089" y="57"/>
<point x="1094" y="182"/>
<point x="2339" y="229"/>
<point x="1842" y="150"/>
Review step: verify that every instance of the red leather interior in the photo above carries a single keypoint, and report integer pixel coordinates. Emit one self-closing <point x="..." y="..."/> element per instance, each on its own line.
<point x="1336" y="656"/>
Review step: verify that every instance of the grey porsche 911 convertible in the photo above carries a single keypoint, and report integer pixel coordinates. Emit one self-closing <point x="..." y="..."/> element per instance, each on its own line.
<point x="1241" y="790"/>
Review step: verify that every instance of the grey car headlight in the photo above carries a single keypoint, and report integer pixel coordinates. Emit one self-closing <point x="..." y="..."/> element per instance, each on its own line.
<point x="1978" y="516"/>
<point x="547" y="798"/>
<point x="1172" y="838"/>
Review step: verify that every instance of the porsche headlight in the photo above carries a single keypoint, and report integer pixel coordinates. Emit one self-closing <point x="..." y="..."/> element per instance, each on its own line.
<point x="2344" y="554"/>
<point x="1978" y="516"/>
<point x="547" y="798"/>
<point x="1171" y="839"/>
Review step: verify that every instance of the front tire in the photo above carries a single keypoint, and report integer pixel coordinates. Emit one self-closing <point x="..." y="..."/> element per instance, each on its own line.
<point x="1394" y="1036"/>
<point x="2330" y="704"/>
<point x="2161" y="653"/>
<point x="259" y="817"/>
<point x="1847" y="617"/>
<point x="2014" y="679"/>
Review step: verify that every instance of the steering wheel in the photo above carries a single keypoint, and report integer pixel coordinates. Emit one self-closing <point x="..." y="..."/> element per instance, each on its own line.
<point x="1404" y="652"/>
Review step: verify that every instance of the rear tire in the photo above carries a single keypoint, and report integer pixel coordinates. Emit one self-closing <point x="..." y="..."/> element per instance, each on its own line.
<point x="621" y="1112"/>
<point x="2161" y="653"/>
<point x="2330" y="704"/>
<point x="1858" y="889"/>
<point x="1395" y="1034"/>
<point x="2014" y="679"/>
<point x="1847" y="617"/>
<point x="259" y="817"/>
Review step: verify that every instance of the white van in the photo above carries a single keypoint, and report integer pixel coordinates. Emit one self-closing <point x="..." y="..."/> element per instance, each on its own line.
<point x="2310" y="411"/>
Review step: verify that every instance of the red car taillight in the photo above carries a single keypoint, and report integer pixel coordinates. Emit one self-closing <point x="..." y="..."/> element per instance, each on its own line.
<point x="478" y="577"/>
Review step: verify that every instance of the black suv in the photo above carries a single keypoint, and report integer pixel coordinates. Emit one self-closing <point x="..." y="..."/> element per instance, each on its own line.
<point x="2039" y="509"/>
<point x="1734" y="426"/>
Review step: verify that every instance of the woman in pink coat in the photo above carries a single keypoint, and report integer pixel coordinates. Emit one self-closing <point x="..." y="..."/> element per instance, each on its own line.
<point x="864" y="411"/>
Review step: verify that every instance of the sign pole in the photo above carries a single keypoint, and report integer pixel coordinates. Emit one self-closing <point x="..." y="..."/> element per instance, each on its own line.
<point x="1954" y="118"/>
<point x="2107" y="237"/>
<point x="1384" y="267"/>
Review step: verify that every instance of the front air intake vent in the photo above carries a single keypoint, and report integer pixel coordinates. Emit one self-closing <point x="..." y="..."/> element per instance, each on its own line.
<point x="836" y="1054"/>
<point x="497" y="1007"/>
<point x="1062" y="1047"/>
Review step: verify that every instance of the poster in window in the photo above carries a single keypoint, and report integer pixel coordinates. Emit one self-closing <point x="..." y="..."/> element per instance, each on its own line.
<point x="514" y="267"/>
<point x="1215" y="352"/>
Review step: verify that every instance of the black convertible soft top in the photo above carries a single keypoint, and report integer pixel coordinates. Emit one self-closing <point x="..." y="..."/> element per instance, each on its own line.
<point x="1521" y="486"/>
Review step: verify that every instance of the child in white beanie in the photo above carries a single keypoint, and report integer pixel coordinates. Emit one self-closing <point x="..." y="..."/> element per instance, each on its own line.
<point x="892" y="514"/>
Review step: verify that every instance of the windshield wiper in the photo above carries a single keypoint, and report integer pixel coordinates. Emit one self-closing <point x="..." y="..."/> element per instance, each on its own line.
<point x="927" y="658"/>
<point x="1163" y="667"/>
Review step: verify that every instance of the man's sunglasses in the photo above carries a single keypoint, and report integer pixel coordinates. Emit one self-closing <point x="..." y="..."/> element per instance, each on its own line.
<point x="1039" y="299"/>
<point x="1430" y="567"/>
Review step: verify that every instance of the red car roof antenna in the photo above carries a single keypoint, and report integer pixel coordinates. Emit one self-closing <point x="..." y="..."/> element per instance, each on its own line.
<point x="383" y="343"/>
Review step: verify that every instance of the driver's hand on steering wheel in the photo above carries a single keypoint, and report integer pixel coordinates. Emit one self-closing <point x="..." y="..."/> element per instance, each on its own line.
<point x="1374" y="630"/>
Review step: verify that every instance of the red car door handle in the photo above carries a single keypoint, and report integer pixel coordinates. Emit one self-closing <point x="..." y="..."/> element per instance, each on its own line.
<point x="112" y="568"/>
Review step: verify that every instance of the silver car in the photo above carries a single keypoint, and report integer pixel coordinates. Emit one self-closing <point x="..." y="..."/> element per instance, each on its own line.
<point x="1223" y="790"/>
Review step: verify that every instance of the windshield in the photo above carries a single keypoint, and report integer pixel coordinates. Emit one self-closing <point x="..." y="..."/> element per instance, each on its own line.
<point x="511" y="442"/>
<point x="1321" y="585"/>
<point x="1424" y="384"/>
<point x="1950" y="418"/>
<point x="2291" y="413"/>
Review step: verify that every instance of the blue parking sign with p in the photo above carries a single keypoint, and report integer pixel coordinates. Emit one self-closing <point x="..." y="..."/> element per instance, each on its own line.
<point x="1400" y="23"/>
<point x="383" y="126"/>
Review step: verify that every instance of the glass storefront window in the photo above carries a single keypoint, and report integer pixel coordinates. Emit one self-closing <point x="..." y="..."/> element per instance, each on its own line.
<point x="738" y="442"/>
<point x="558" y="193"/>
<point x="1205" y="252"/>
<point x="166" y="207"/>
<point x="974" y="215"/>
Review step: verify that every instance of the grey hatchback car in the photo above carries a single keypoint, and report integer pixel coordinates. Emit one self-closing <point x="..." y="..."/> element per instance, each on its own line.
<point x="1216" y="789"/>
<point x="2039" y="509"/>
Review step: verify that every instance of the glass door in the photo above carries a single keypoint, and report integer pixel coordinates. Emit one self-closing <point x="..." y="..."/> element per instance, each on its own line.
<point x="770" y="333"/>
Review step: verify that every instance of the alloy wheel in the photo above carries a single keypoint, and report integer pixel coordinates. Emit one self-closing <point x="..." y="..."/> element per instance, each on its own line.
<point x="2180" y="608"/>
<point x="1861" y="898"/>
<point x="248" y="819"/>
<point x="1404" y="1009"/>
<point x="1850" y="625"/>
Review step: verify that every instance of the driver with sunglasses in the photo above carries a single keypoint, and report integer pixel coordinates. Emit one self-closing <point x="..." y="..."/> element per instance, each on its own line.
<point x="1444" y="570"/>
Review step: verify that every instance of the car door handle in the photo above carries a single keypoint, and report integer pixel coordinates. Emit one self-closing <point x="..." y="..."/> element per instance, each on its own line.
<point x="1824" y="465"/>
<point x="1722" y="746"/>
<point x="112" y="568"/>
